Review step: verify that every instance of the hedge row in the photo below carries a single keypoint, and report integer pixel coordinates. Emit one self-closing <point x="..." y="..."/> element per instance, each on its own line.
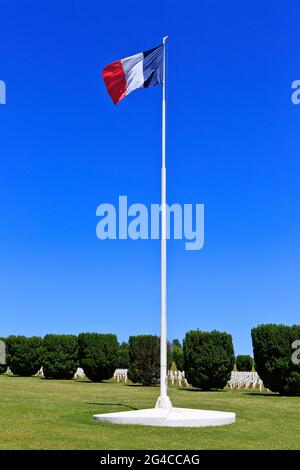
<point x="206" y="357"/>
<point x="60" y="355"/>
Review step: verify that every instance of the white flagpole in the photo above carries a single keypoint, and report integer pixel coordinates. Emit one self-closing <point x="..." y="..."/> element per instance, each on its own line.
<point x="163" y="401"/>
<point x="164" y="414"/>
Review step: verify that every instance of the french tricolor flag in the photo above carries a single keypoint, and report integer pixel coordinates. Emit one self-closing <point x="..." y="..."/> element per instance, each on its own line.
<point x="137" y="71"/>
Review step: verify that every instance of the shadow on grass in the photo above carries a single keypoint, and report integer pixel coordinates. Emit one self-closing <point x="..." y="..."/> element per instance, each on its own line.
<point x="140" y="386"/>
<point x="262" y="394"/>
<point x="112" y="404"/>
<point x="243" y="391"/>
<point x="85" y="381"/>
<point x="12" y="376"/>
<point x="194" y="389"/>
<point x="88" y="381"/>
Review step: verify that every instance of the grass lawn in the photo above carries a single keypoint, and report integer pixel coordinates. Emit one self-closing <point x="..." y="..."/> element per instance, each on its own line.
<point x="49" y="414"/>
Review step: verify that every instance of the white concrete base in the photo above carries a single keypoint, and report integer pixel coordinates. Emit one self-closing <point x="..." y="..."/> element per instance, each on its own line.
<point x="164" y="402"/>
<point x="176" y="417"/>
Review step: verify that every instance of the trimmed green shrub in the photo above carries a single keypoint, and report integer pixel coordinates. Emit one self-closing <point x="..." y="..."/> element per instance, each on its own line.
<point x="244" y="363"/>
<point x="272" y="347"/>
<point x="123" y="356"/>
<point x="98" y="355"/>
<point x="208" y="359"/>
<point x="60" y="356"/>
<point x="177" y="354"/>
<point x="24" y="355"/>
<point x="144" y="354"/>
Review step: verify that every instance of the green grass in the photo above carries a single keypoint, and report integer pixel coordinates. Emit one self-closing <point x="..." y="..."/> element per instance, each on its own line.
<point x="49" y="414"/>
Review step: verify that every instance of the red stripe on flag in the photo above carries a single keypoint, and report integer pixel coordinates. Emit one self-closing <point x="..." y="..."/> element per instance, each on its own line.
<point x="115" y="81"/>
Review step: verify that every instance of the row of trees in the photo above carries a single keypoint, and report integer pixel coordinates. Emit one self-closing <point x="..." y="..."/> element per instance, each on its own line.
<point x="207" y="357"/>
<point x="60" y="355"/>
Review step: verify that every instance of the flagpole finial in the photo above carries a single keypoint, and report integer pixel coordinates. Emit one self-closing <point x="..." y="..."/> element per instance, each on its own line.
<point x="165" y="38"/>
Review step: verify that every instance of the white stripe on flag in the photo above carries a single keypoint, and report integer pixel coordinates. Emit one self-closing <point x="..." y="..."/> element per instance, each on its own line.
<point x="133" y="70"/>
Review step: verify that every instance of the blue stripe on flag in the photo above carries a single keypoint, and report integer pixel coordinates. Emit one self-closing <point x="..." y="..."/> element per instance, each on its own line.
<point x="153" y="66"/>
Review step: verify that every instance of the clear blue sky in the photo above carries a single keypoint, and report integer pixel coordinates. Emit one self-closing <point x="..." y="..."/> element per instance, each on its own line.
<point x="233" y="144"/>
